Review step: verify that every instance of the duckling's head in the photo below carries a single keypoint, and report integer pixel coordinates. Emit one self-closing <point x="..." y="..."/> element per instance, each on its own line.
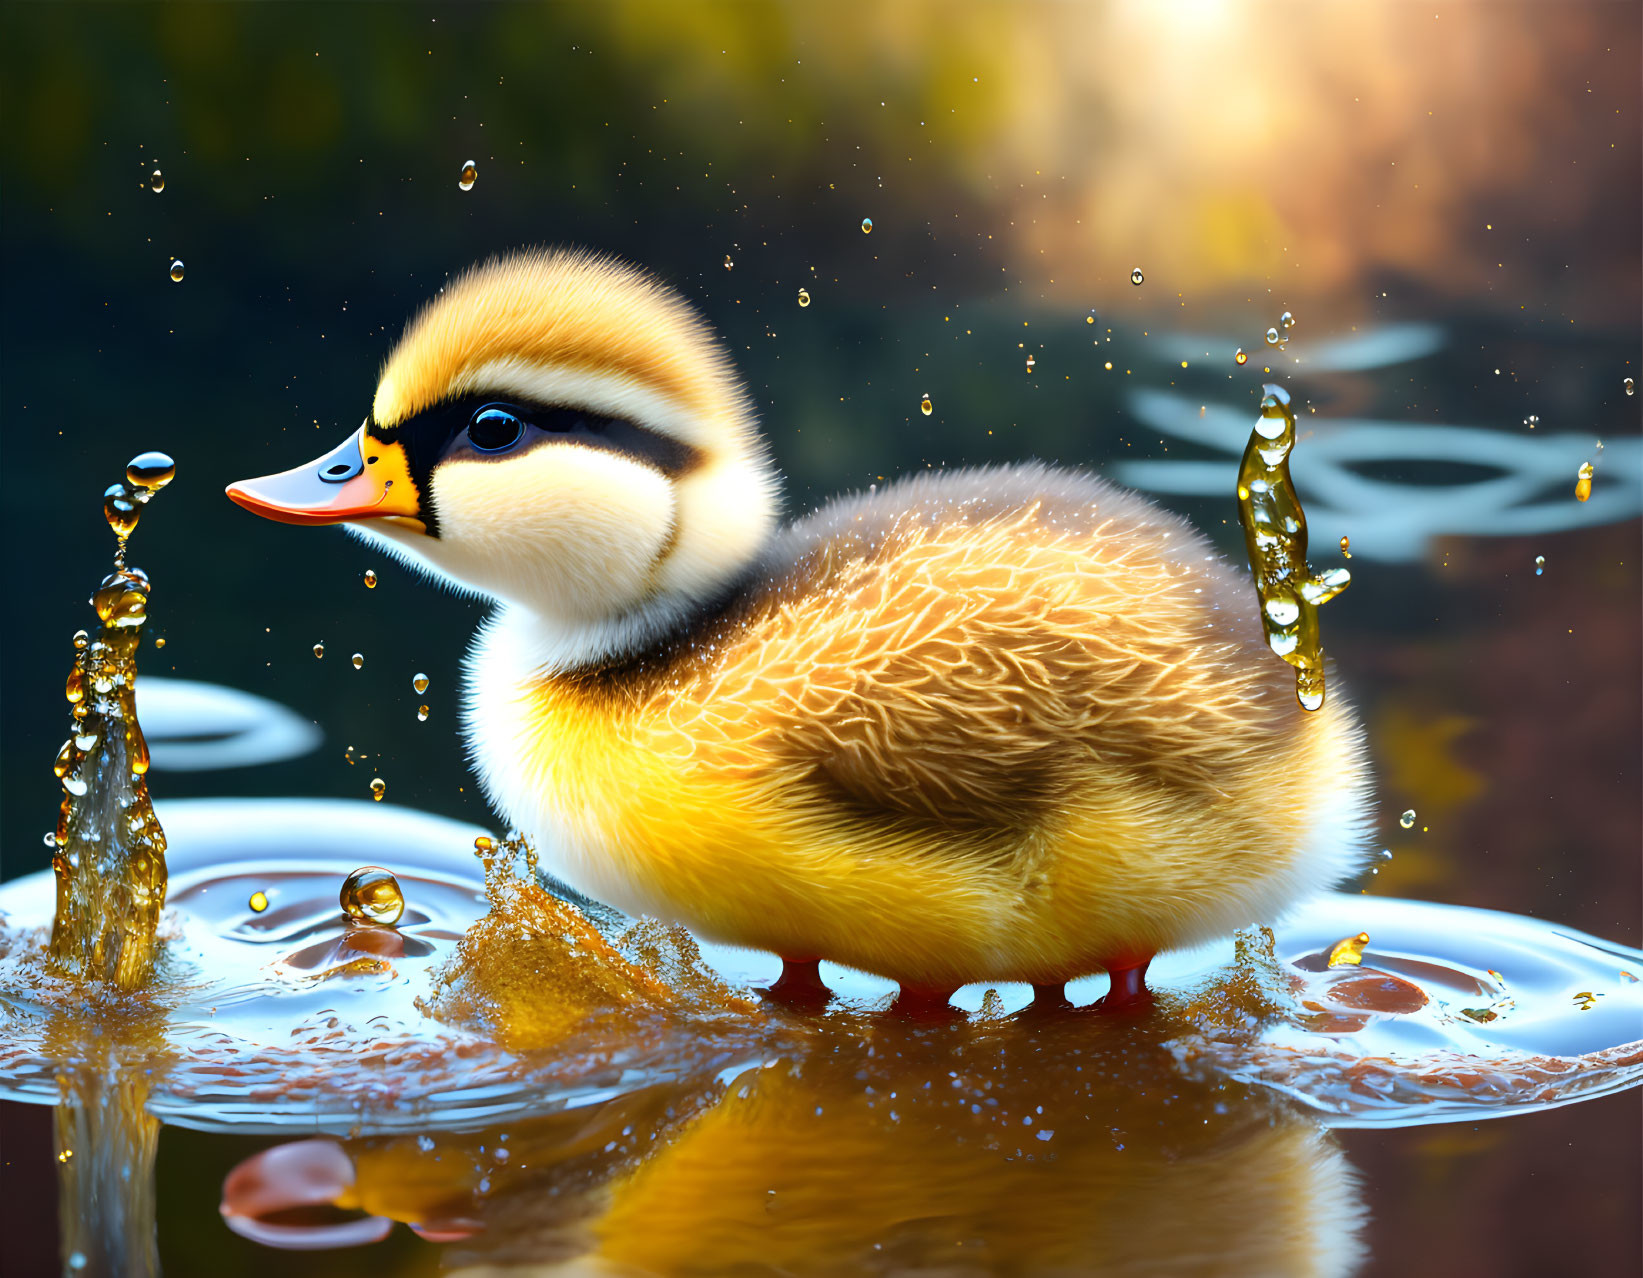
<point x="559" y="431"/>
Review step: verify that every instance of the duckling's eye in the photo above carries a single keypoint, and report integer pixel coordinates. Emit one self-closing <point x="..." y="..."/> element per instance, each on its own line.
<point x="494" y="429"/>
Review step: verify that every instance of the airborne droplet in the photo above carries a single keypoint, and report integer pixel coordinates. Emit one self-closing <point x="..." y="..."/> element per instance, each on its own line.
<point x="728" y="263"/>
<point x="258" y="902"/>
<point x="419" y="681"/>
<point x="1350" y="951"/>
<point x="1030" y="362"/>
<point x="1241" y="357"/>
<point x="925" y="406"/>
<point x="1408" y="818"/>
<point x="470" y="174"/>
<point x="319" y="650"/>
<point x="1346" y="547"/>
<point x="1631" y="387"/>
<point x="1583" y="481"/>
<point x="1286" y="321"/>
<point x="1272" y="337"/>
<point x="379" y="787"/>
<point x="804" y="297"/>
<point x="150" y="471"/>
<point x="358" y="659"/>
<point x="370" y="580"/>
<point x="1136" y="277"/>
<point x="422" y="714"/>
<point x="372" y="895"/>
<point x="156" y="181"/>
<point x="1540" y="564"/>
<point x="176" y="270"/>
<point x="867" y="226"/>
<point x="120" y="509"/>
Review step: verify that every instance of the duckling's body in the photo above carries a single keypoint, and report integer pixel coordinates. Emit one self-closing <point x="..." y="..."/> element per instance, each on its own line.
<point x="1005" y="724"/>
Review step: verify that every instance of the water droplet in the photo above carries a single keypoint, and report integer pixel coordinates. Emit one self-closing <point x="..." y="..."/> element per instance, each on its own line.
<point x="1349" y="952"/>
<point x="1583" y="481"/>
<point x="1286" y="321"/>
<point x="1089" y="319"/>
<point x="1030" y="363"/>
<point x="150" y="471"/>
<point x="1540" y="564"/>
<point x="925" y="406"/>
<point x="120" y="509"/>
<point x="371" y="895"/>
<point x="804" y="297"/>
<point x="1272" y="337"/>
<point x="160" y="642"/>
<point x="1136" y="277"/>
<point x="470" y="174"/>
<point x="728" y="263"/>
<point x="1631" y="387"/>
<point x="258" y="902"/>
<point x="1241" y="357"/>
<point x="1585" y="1001"/>
<point x="379" y="787"/>
<point x="1531" y="421"/>
<point x="1407" y="819"/>
<point x="156" y="181"/>
<point x="319" y="650"/>
<point x="1346" y="547"/>
<point x="81" y="638"/>
<point x="483" y="844"/>
<point x="176" y="270"/>
<point x="358" y="659"/>
<point x="370" y="579"/>
<point x="867" y="226"/>
<point x="422" y="714"/>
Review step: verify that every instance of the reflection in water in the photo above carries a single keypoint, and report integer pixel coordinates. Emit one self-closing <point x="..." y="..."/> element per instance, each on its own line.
<point x="1528" y="493"/>
<point x="193" y="727"/>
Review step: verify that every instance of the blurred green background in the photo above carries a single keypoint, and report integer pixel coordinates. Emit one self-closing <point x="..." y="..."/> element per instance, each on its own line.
<point x="1474" y="167"/>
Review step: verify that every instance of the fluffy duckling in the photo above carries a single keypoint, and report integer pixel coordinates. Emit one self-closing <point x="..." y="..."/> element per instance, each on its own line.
<point x="1006" y="724"/>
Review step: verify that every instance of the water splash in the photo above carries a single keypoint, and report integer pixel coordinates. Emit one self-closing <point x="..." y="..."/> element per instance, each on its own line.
<point x="1275" y="537"/>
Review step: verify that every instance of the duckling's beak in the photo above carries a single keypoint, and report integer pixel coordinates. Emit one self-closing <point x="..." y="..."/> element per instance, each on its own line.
<point x="362" y="478"/>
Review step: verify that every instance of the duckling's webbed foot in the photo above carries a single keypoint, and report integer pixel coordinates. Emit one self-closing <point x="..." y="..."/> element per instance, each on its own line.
<point x="1129" y="992"/>
<point x="925" y="1002"/>
<point x="800" y="985"/>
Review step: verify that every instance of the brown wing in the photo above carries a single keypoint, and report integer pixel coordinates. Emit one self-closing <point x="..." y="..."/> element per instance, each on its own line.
<point x="972" y="662"/>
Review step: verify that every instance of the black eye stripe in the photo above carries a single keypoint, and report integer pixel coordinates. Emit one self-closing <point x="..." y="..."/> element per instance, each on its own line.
<point x="444" y="433"/>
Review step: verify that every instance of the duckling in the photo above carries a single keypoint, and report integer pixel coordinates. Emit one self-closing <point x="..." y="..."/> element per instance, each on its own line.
<point x="1005" y="724"/>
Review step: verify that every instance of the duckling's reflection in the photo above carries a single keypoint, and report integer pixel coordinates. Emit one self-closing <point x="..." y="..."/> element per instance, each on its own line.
<point x="1049" y="1142"/>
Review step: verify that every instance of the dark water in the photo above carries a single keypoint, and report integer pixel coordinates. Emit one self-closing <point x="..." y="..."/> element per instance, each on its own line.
<point x="310" y="159"/>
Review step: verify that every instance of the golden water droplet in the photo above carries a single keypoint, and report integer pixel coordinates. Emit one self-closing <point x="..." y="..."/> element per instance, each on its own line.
<point x="483" y="844"/>
<point x="358" y="659"/>
<point x="1349" y="952"/>
<point x="1135" y="276"/>
<point x="1583" y="481"/>
<point x="379" y="787"/>
<point x="1532" y="420"/>
<point x="1272" y="337"/>
<point x="150" y="471"/>
<point x="176" y="270"/>
<point x="160" y="642"/>
<point x="121" y="510"/>
<point x="1241" y="357"/>
<point x="804" y="297"/>
<point x="422" y="714"/>
<point x="1631" y="387"/>
<point x="1407" y="819"/>
<point x="1346" y="547"/>
<point x="1089" y="319"/>
<point x="81" y="638"/>
<point x="1585" y="1001"/>
<point x="1030" y="363"/>
<point x="370" y="580"/>
<point x="156" y="181"/>
<point x="728" y="263"/>
<point x="372" y="895"/>
<point x="925" y="406"/>
<point x="319" y="650"/>
<point x="1540" y="564"/>
<point x="258" y="902"/>
<point x="1286" y="321"/>
<point x="470" y="174"/>
<point x="419" y="681"/>
<point x="867" y="226"/>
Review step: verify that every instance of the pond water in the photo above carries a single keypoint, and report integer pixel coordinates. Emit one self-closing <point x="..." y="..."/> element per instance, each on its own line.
<point x="1465" y="286"/>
